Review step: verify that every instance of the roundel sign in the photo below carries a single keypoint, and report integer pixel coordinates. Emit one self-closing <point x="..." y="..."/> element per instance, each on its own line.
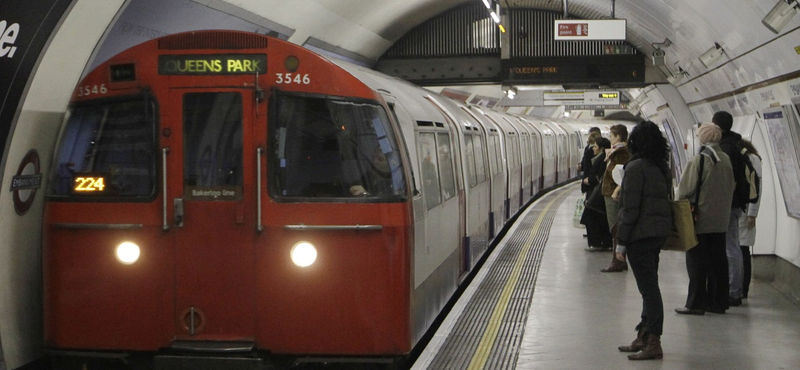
<point x="25" y="182"/>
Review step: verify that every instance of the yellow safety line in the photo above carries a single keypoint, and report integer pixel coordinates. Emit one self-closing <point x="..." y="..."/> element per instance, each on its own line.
<point x="490" y="335"/>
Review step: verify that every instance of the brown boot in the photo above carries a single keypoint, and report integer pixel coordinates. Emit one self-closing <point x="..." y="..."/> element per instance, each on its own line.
<point x="652" y="349"/>
<point x="637" y="344"/>
<point x="616" y="265"/>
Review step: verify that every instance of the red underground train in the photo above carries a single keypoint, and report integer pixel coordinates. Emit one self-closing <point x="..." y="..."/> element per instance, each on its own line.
<point x="222" y="197"/>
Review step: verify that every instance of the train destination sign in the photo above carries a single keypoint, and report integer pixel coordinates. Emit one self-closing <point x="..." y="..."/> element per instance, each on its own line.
<point x="220" y="64"/>
<point x="581" y="98"/>
<point x="610" y="70"/>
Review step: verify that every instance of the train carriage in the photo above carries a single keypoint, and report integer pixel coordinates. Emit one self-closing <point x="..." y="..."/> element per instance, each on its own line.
<point x="226" y="195"/>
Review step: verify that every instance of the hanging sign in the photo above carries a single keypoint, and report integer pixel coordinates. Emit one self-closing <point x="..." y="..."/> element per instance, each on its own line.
<point x="590" y="29"/>
<point x="581" y="98"/>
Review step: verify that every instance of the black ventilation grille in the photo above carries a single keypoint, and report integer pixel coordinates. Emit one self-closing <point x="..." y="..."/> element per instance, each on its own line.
<point x="212" y="40"/>
<point x="465" y="30"/>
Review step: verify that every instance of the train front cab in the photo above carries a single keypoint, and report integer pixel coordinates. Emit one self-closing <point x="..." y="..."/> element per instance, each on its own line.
<point x="180" y="206"/>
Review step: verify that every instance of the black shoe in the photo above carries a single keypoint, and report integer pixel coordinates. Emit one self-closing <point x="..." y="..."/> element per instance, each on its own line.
<point x="734" y="302"/>
<point x="689" y="311"/>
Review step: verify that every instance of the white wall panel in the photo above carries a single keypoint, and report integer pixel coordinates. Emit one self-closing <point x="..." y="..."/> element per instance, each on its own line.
<point x="36" y="128"/>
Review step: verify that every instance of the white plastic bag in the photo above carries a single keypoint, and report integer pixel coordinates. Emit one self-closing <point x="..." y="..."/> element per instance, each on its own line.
<point x="576" y="217"/>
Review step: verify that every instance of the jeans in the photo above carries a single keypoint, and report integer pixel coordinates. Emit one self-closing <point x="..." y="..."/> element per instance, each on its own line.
<point x="734" y="252"/>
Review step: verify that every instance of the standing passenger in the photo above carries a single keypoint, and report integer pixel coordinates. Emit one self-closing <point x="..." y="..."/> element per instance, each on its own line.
<point x="645" y="221"/>
<point x="588" y="154"/>
<point x="730" y="145"/>
<point x="618" y="155"/>
<point x="747" y="225"/>
<point x="594" y="216"/>
<point x="707" y="263"/>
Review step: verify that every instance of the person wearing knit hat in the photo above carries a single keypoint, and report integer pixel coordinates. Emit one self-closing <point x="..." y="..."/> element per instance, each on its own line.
<point x="707" y="263"/>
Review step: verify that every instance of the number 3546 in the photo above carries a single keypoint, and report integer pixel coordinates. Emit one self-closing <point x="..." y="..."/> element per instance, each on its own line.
<point x="92" y="90"/>
<point x="292" y="78"/>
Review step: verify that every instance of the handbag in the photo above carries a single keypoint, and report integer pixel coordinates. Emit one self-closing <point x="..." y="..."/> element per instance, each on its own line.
<point x="595" y="200"/>
<point x="682" y="236"/>
<point x="576" y="216"/>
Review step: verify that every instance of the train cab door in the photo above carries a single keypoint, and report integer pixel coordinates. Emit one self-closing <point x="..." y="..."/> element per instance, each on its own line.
<point x="212" y="199"/>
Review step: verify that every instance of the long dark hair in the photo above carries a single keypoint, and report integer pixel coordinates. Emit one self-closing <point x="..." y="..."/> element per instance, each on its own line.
<point x="646" y="141"/>
<point x="747" y="144"/>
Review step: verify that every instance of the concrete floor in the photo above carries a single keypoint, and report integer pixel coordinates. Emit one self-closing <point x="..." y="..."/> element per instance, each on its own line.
<point x="578" y="315"/>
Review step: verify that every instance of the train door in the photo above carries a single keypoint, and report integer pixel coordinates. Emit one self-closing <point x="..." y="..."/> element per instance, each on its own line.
<point x="212" y="196"/>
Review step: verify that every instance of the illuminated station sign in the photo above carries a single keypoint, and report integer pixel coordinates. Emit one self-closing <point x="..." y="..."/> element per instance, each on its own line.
<point x="581" y="98"/>
<point x="609" y="70"/>
<point x="217" y="64"/>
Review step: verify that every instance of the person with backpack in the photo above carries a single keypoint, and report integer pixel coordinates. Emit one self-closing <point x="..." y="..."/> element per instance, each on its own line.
<point x="747" y="224"/>
<point x="730" y="145"/>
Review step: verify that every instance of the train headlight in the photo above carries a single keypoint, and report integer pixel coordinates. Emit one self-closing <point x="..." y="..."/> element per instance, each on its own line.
<point x="304" y="254"/>
<point x="128" y="252"/>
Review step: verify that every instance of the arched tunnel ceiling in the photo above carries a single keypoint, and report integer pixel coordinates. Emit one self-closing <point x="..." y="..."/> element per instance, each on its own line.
<point x="369" y="28"/>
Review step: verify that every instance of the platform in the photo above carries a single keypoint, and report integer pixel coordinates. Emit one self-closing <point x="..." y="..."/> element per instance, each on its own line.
<point x="556" y="310"/>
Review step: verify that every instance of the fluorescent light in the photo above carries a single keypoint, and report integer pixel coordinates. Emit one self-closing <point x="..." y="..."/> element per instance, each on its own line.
<point x="712" y="55"/>
<point x="487" y="3"/>
<point x="780" y="15"/>
<point x="495" y="17"/>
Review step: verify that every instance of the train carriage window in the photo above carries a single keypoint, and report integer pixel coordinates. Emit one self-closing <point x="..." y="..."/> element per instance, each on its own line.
<point x="470" y="163"/>
<point x="480" y="163"/>
<point x="492" y="154"/>
<point x="329" y="148"/>
<point x="513" y="151"/>
<point x="430" y="169"/>
<point x="107" y="150"/>
<point x="212" y="146"/>
<point x="446" y="166"/>
<point x="528" y="150"/>
<point x="497" y="155"/>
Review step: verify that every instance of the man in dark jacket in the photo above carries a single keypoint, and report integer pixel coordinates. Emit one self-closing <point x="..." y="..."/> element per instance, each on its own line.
<point x="730" y="145"/>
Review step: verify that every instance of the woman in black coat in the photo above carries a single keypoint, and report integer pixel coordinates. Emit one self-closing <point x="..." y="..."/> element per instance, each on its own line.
<point x="594" y="214"/>
<point x="645" y="221"/>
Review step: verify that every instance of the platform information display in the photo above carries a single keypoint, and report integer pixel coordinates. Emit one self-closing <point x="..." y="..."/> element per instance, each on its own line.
<point x="583" y="98"/>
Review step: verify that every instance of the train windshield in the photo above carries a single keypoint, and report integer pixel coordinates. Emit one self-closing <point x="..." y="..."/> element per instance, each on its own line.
<point x="325" y="148"/>
<point x="107" y="150"/>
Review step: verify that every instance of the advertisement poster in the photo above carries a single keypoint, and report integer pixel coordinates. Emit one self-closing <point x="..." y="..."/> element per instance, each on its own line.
<point x="25" y="28"/>
<point x="786" y="163"/>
